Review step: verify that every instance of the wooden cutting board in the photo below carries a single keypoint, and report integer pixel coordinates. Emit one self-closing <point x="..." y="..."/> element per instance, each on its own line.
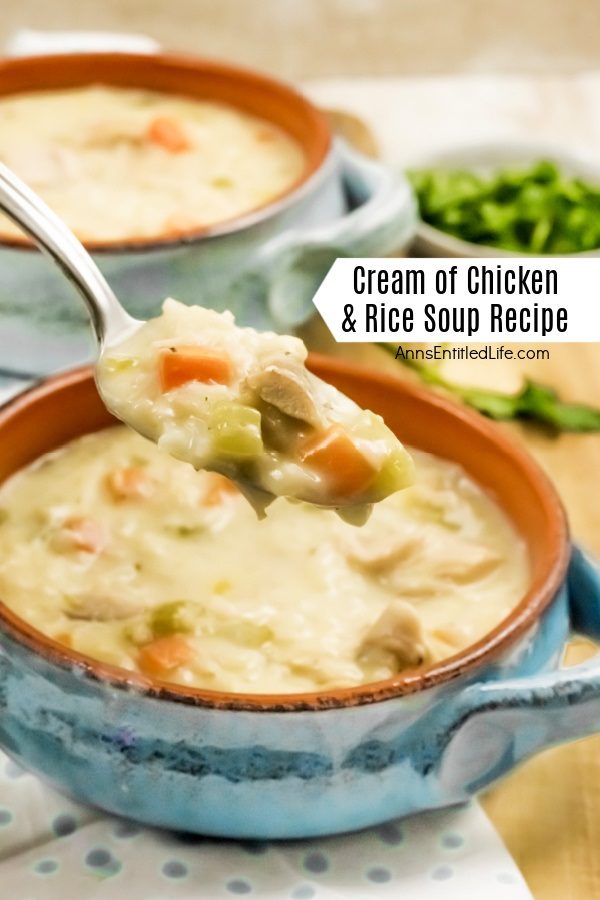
<point x="548" y="811"/>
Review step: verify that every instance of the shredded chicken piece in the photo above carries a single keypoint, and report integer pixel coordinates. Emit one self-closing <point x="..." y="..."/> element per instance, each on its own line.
<point x="399" y="631"/>
<point x="287" y="388"/>
<point x="376" y="553"/>
<point x="108" y="133"/>
<point x="461" y="561"/>
<point x="101" y="608"/>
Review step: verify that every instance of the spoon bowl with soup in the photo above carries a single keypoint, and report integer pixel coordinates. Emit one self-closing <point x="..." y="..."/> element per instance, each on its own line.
<point x="234" y="400"/>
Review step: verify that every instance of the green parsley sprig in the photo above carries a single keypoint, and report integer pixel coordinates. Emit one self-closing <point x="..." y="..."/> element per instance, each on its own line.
<point x="535" y="402"/>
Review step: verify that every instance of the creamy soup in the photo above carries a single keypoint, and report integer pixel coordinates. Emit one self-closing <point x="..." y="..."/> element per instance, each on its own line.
<point x="118" y="164"/>
<point x="241" y="402"/>
<point x="114" y="549"/>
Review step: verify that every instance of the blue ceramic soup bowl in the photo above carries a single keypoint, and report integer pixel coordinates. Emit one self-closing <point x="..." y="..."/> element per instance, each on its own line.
<point x="264" y="266"/>
<point x="283" y="766"/>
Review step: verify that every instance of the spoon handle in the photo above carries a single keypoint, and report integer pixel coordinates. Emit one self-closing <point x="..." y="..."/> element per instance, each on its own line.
<point x="109" y="319"/>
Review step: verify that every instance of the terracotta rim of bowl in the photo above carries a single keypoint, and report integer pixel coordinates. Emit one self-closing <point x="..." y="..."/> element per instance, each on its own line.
<point x="188" y="76"/>
<point x="482" y="439"/>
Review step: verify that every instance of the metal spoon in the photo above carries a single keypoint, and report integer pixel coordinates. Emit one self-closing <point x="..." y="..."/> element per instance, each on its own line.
<point x="110" y="321"/>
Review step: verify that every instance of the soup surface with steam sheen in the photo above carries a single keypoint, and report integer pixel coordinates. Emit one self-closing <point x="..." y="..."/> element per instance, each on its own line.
<point x="119" y="164"/>
<point x="118" y="551"/>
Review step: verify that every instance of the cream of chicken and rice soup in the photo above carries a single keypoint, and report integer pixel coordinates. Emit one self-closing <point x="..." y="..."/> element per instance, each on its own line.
<point x="115" y="549"/>
<point x="118" y="164"/>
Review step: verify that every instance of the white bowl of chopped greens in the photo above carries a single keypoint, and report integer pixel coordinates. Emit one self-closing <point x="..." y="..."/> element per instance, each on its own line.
<point x="507" y="199"/>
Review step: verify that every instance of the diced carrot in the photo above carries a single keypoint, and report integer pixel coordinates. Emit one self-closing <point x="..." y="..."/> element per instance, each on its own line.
<point x="164" y="654"/>
<point x="82" y="533"/>
<point x="180" y="223"/>
<point x="264" y="135"/>
<point x="334" y="455"/>
<point x="169" y="134"/>
<point x="130" y="483"/>
<point x="179" y="365"/>
<point x="218" y="489"/>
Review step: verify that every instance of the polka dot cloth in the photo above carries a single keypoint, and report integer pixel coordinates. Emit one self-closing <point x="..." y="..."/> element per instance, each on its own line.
<point x="51" y="848"/>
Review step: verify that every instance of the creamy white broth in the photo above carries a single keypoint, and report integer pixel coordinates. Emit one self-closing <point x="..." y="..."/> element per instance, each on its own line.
<point x="242" y="402"/>
<point x="119" y="164"/>
<point x="110" y="546"/>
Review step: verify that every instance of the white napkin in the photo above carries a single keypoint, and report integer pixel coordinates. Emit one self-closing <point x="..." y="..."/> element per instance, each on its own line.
<point x="52" y="849"/>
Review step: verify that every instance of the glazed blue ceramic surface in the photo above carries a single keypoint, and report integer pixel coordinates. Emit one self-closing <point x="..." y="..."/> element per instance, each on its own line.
<point x="284" y="774"/>
<point x="266" y="272"/>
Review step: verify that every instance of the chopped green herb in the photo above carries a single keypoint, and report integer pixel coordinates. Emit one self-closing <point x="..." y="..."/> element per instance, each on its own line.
<point x="527" y="210"/>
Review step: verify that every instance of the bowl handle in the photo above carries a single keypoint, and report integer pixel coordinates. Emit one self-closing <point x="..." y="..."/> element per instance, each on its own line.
<point x="381" y="219"/>
<point x="496" y="724"/>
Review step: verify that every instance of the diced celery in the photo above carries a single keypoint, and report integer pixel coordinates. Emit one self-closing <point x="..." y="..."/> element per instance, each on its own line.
<point x="185" y="530"/>
<point x="236" y="431"/>
<point x="170" y="618"/>
<point x="222" y="586"/>
<point x="396" y="474"/>
<point x="370" y="426"/>
<point x="139" y="461"/>
<point x="120" y="363"/>
<point x="248" y="634"/>
<point x="397" y="471"/>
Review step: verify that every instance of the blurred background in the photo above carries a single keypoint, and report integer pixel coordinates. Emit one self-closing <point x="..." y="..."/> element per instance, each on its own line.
<point x="319" y="38"/>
